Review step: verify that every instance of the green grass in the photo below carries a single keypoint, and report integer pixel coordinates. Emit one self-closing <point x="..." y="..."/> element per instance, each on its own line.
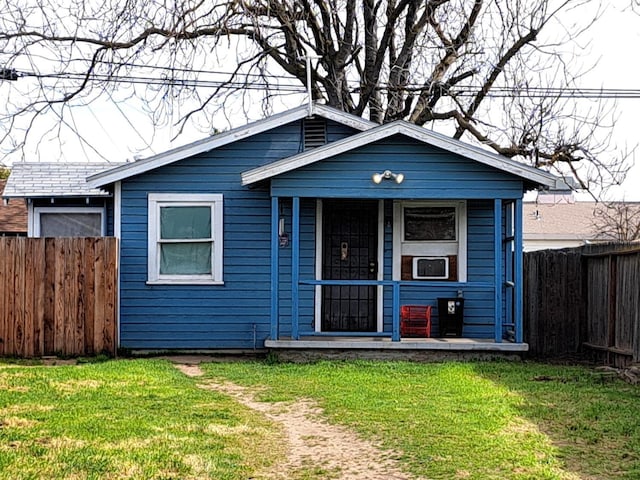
<point x="124" y="419"/>
<point x="142" y="419"/>
<point x="472" y="420"/>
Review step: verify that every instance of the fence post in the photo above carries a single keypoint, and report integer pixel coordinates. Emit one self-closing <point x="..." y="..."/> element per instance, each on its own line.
<point x="613" y="298"/>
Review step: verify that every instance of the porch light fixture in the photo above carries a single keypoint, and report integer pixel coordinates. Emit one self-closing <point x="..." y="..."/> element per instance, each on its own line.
<point x="387" y="175"/>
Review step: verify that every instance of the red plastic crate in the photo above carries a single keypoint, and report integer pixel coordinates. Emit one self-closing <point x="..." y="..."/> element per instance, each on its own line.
<point x="415" y="321"/>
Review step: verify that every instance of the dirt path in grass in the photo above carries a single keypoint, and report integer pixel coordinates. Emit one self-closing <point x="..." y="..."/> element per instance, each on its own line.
<point x="314" y="445"/>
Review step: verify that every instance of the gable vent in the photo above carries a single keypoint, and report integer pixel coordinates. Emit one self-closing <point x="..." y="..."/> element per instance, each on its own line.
<point x="315" y="132"/>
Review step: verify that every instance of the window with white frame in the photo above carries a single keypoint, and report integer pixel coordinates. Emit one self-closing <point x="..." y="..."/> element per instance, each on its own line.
<point x="185" y="238"/>
<point x="430" y="240"/>
<point x="68" y="222"/>
<point x="424" y="223"/>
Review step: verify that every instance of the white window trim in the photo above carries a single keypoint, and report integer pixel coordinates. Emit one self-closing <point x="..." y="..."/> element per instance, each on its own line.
<point x="155" y="201"/>
<point x="117" y="232"/>
<point x="436" y="247"/>
<point x="35" y="212"/>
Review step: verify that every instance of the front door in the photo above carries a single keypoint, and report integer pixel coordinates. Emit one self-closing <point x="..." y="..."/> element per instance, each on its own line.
<point x="349" y="252"/>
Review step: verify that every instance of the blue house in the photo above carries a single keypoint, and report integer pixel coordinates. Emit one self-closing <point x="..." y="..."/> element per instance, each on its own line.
<point x="311" y="230"/>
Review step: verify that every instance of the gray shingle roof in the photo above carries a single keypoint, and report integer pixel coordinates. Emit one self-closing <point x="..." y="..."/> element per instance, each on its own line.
<point x="574" y="220"/>
<point x="43" y="179"/>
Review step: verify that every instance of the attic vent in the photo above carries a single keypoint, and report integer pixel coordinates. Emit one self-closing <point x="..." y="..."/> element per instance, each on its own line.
<point x="315" y="132"/>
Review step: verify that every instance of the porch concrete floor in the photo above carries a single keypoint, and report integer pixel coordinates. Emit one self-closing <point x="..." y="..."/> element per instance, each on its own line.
<point x="377" y="343"/>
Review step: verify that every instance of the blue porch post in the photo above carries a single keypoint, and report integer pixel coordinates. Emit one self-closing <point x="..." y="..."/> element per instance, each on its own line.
<point x="295" y="269"/>
<point x="518" y="274"/>
<point x="395" y="329"/>
<point x="497" y="256"/>
<point x="275" y="270"/>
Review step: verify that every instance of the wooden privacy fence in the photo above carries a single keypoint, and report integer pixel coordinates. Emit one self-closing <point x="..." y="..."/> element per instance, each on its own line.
<point x="612" y="289"/>
<point x="58" y="296"/>
<point x="553" y="304"/>
<point x="584" y="300"/>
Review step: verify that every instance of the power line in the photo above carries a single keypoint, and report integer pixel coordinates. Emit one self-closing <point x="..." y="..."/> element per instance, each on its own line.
<point x="260" y="82"/>
<point x="168" y="81"/>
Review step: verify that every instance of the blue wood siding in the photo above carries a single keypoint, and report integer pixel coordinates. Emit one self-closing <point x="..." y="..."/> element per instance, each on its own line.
<point x="233" y="315"/>
<point x="429" y="173"/>
<point x="236" y="315"/>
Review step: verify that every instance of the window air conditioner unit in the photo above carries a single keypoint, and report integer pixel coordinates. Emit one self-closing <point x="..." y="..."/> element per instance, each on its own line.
<point x="430" y="268"/>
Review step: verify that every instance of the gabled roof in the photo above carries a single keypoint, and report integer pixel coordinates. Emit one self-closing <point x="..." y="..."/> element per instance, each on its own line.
<point x="219" y="140"/>
<point x="400" y="127"/>
<point x="13" y="216"/>
<point x="54" y="179"/>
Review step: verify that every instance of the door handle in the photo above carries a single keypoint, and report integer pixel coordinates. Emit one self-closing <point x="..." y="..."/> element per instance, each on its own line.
<point x="373" y="267"/>
<point x="344" y="251"/>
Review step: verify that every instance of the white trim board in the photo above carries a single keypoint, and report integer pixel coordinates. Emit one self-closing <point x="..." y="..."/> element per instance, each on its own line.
<point x="117" y="232"/>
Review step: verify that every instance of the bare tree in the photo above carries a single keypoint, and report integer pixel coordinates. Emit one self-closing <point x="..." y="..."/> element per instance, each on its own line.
<point x="485" y="71"/>
<point x="618" y="221"/>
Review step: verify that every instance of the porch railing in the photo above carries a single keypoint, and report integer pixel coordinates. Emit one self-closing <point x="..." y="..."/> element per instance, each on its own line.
<point x="395" y="288"/>
<point x="395" y="330"/>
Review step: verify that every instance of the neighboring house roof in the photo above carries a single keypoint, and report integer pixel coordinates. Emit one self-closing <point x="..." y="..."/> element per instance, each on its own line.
<point x="221" y="139"/>
<point x="13" y="216"/>
<point x="533" y="175"/>
<point x="564" y="221"/>
<point x="560" y="221"/>
<point x="55" y="179"/>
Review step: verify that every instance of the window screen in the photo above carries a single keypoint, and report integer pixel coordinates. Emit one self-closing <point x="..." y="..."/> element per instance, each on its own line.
<point x="430" y="223"/>
<point x="186" y="242"/>
<point x="66" y="224"/>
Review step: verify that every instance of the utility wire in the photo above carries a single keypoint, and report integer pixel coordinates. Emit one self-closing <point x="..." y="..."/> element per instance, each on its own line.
<point x="260" y="82"/>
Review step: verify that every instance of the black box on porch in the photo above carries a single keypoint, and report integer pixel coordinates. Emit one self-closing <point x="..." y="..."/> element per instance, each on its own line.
<point x="450" y="316"/>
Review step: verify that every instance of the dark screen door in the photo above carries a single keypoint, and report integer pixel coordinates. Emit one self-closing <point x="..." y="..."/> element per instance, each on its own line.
<point x="349" y="252"/>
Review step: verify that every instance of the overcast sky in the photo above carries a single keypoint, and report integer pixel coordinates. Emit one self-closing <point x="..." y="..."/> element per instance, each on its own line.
<point x="616" y="41"/>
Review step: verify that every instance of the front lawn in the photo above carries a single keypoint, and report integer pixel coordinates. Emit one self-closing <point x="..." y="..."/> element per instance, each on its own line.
<point x="137" y="419"/>
<point x="142" y="419"/>
<point x="472" y="420"/>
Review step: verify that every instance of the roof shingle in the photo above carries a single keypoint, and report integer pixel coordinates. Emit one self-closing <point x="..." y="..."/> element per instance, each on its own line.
<point x="59" y="179"/>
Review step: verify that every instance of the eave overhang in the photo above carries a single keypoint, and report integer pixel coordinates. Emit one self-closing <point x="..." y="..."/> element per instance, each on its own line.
<point x="533" y="177"/>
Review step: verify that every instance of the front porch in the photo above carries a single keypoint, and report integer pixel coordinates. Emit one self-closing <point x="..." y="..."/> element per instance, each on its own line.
<point x="488" y="278"/>
<point x="315" y="348"/>
<point x="347" y="342"/>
